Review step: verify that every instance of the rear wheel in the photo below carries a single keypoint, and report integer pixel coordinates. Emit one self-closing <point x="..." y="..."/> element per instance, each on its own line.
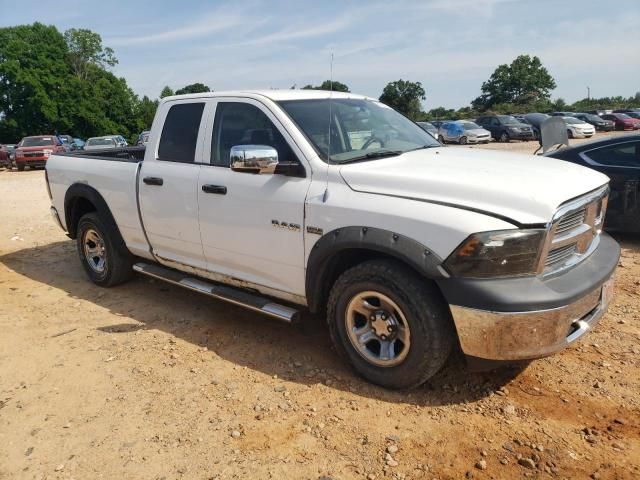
<point x="441" y="139"/>
<point x="392" y="326"/>
<point x="105" y="263"/>
<point x="462" y="141"/>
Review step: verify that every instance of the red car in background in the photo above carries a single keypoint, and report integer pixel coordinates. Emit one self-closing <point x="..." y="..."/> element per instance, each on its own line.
<point x="35" y="151"/>
<point x="622" y="121"/>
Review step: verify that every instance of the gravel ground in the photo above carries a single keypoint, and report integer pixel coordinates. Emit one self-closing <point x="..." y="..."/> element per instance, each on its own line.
<point x="148" y="381"/>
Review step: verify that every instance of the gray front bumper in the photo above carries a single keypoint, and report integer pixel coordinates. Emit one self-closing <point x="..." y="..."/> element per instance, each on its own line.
<point x="531" y="334"/>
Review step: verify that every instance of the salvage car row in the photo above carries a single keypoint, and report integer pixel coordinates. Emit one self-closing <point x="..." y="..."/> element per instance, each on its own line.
<point x="504" y="128"/>
<point x="34" y="151"/>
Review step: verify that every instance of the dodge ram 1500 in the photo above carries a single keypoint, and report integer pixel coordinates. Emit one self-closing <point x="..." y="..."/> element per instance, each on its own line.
<point x="334" y="203"/>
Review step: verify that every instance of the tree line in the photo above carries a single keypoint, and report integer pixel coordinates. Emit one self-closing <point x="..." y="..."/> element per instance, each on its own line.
<point x="52" y="81"/>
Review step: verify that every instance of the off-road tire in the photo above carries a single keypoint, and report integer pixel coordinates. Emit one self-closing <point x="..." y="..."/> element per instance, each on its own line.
<point x="426" y="312"/>
<point x="118" y="262"/>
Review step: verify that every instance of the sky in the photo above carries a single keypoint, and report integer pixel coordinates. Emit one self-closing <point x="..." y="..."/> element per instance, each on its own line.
<point x="450" y="46"/>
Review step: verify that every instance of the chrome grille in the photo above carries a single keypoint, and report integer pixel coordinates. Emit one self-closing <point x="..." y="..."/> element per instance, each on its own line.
<point x="560" y="255"/>
<point x="570" y="221"/>
<point x="574" y="232"/>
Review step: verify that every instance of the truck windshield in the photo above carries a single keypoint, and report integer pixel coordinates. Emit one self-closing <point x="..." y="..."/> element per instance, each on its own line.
<point x="37" y="141"/>
<point x="360" y="129"/>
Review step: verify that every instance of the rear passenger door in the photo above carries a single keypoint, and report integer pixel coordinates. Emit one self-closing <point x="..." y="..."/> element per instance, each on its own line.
<point x="252" y="224"/>
<point x="168" y="185"/>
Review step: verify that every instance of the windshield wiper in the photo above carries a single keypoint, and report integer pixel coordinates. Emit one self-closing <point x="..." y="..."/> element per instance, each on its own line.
<point x="372" y="155"/>
<point x="423" y="147"/>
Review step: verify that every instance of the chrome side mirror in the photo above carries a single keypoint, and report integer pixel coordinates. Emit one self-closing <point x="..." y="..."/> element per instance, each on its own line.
<point x="253" y="158"/>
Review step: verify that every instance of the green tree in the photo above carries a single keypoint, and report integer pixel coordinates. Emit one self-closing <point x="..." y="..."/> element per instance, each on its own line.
<point x="328" y="85"/>
<point x="166" y="92"/>
<point x="33" y="80"/>
<point x="523" y="81"/>
<point x="144" y="111"/>
<point x="193" y="88"/>
<point x="404" y="96"/>
<point x="84" y="49"/>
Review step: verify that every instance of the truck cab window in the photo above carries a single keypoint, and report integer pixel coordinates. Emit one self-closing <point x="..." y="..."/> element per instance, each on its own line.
<point x="180" y="133"/>
<point x="244" y="124"/>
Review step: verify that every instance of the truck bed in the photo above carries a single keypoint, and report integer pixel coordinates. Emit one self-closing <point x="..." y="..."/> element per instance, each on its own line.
<point x="125" y="154"/>
<point x="114" y="175"/>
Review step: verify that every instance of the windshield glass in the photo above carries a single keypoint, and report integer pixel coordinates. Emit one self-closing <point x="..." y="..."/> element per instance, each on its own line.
<point x="360" y="129"/>
<point x="37" y="142"/>
<point x="591" y="118"/>
<point x="572" y="120"/>
<point x="470" y="126"/>
<point x="100" y="141"/>
<point x="623" y="116"/>
<point x="508" y="120"/>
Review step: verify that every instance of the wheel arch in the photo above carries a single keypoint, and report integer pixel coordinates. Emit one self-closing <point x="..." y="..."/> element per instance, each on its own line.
<point x="81" y="199"/>
<point x="343" y="248"/>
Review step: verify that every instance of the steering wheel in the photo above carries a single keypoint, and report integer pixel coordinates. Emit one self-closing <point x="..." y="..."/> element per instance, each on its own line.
<point x="370" y="140"/>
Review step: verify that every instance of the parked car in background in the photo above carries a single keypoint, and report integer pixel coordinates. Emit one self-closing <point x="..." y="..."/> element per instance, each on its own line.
<point x="108" y="141"/>
<point x="599" y="123"/>
<point x="631" y="113"/>
<point x="622" y="121"/>
<point x="600" y="112"/>
<point x="437" y="123"/>
<point x="505" y="128"/>
<point x="562" y="114"/>
<point x="35" y="151"/>
<point x="619" y="159"/>
<point x="577" y="128"/>
<point x="628" y="111"/>
<point x="7" y="153"/>
<point x="79" y="143"/>
<point x="463" y="132"/>
<point x="143" y="138"/>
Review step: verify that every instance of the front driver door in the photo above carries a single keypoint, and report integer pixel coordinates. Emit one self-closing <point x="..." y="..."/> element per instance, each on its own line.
<point x="243" y="215"/>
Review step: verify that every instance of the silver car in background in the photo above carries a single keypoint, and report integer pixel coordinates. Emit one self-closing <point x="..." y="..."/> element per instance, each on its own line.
<point x="429" y="128"/>
<point x="102" y="143"/>
<point x="463" y="132"/>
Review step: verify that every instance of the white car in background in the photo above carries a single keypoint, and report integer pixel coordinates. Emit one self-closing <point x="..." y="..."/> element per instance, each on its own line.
<point x="577" y="128"/>
<point x="463" y="132"/>
<point x="108" y="141"/>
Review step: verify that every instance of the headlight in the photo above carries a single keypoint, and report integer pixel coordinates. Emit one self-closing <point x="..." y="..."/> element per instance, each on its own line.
<point x="514" y="129"/>
<point x="500" y="253"/>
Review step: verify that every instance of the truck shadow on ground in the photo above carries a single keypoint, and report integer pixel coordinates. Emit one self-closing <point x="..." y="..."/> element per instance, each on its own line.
<point x="300" y="353"/>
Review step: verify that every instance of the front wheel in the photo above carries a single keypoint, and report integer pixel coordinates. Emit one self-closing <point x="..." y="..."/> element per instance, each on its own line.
<point x="462" y="141"/>
<point x="392" y="326"/>
<point x="569" y="133"/>
<point x="105" y="263"/>
<point x="20" y="167"/>
<point x="504" y="137"/>
<point x="441" y="139"/>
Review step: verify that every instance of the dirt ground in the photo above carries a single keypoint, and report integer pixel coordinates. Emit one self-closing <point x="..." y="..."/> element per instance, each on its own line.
<point x="149" y="381"/>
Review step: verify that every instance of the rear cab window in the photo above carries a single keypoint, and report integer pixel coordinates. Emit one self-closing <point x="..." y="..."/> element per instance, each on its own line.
<point x="179" y="137"/>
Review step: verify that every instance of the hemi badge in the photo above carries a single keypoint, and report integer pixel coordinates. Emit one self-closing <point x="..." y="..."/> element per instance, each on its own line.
<point x="315" y="230"/>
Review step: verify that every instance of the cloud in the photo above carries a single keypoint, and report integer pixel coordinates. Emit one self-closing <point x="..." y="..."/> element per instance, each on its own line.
<point x="212" y="23"/>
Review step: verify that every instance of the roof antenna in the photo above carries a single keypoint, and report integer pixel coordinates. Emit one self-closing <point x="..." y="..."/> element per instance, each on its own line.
<point x="326" y="188"/>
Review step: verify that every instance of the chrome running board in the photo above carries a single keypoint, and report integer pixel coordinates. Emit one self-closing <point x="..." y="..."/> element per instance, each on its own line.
<point x="226" y="293"/>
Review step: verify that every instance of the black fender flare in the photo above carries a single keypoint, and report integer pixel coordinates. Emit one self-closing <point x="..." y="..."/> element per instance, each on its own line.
<point x="81" y="190"/>
<point x="403" y="248"/>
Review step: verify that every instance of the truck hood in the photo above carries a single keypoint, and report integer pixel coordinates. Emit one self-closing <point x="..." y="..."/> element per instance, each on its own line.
<point x="524" y="189"/>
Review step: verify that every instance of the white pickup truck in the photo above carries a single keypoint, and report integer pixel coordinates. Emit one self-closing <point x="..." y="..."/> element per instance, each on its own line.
<point x="292" y="201"/>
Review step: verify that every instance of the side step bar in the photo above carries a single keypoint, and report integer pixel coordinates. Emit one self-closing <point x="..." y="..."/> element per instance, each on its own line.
<point x="221" y="292"/>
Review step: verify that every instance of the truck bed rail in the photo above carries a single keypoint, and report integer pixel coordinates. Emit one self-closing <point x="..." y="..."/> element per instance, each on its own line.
<point x="125" y="154"/>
